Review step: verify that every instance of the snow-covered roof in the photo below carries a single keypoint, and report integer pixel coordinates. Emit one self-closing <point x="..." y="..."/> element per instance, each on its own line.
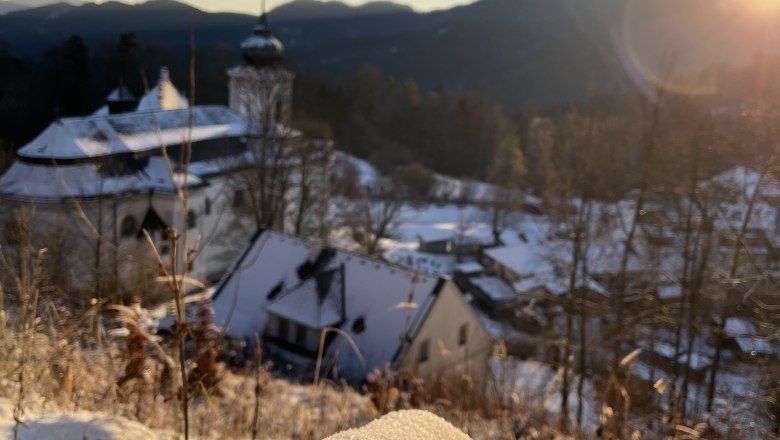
<point x="53" y="183"/>
<point x="495" y="288"/>
<point x="120" y="94"/>
<point x="669" y="291"/>
<point x="746" y="336"/>
<point x="95" y="136"/>
<point x="317" y="302"/>
<point x="433" y="234"/>
<point x="374" y="291"/>
<point x="556" y="284"/>
<point x="469" y="268"/>
<point x="739" y="327"/>
<point x="163" y="96"/>
<point x="664" y="349"/>
<point x="750" y="344"/>
<point x="520" y="259"/>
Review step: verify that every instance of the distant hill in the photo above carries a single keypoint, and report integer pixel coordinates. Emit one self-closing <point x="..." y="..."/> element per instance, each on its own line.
<point x="7" y="6"/>
<point x="519" y="52"/>
<point x="303" y="10"/>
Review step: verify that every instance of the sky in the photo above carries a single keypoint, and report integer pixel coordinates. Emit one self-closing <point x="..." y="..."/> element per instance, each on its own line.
<point x="253" y="6"/>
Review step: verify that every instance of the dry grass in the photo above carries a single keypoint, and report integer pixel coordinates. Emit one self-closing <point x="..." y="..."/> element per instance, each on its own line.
<point x="70" y="371"/>
<point x="63" y="374"/>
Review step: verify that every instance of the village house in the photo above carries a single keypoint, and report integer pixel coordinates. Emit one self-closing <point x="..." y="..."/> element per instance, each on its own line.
<point x="88" y="187"/>
<point x="289" y="290"/>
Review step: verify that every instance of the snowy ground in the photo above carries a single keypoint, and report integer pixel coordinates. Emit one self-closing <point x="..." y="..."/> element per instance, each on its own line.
<point x="438" y="221"/>
<point x="441" y="221"/>
<point x="48" y="423"/>
<point x="532" y="384"/>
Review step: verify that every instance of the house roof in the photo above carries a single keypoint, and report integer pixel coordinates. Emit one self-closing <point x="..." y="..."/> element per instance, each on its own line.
<point x="163" y="96"/>
<point x="44" y="182"/>
<point x="555" y="284"/>
<point x="121" y="94"/>
<point x="520" y="259"/>
<point x="739" y="327"/>
<point x="391" y="300"/>
<point x="103" y="135"/>
<point x="316" y="302"/>
<point x="495" y="288"/>
<point x="469" y="268"/>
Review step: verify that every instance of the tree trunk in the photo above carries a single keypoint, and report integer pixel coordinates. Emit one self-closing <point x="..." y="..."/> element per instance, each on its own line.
<point x="719" y="333"/>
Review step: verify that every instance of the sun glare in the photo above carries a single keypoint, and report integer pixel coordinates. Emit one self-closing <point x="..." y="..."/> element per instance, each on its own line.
<point x="762" y="7"/>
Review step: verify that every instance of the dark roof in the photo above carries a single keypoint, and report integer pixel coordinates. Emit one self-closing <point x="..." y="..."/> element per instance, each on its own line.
<point x="121" y="94"/>
<point x="262" y="48"/>
<point x="152" y="222"/>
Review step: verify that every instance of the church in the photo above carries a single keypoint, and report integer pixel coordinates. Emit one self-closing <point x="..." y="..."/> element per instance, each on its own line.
<point x="89" y="188"/>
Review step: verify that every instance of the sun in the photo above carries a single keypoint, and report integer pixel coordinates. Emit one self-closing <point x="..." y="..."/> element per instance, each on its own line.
<point x="762" y="7"/>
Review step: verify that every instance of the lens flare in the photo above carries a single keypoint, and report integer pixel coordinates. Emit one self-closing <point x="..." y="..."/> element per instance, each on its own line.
<point x="657" y="54"/>
<point x="678" y="45"/>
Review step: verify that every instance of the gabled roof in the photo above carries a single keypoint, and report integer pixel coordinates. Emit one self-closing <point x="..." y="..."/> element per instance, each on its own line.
<point x="103" y="135"/>
<point x="121" y="94"/>
<point x="152" y="222"/>
<point x="375" y="292"/>
<point x="317" y="302"/>
<point x="163" y="96"/>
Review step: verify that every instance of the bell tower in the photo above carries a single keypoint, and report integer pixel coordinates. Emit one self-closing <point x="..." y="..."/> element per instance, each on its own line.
<point x="261" y="88"/>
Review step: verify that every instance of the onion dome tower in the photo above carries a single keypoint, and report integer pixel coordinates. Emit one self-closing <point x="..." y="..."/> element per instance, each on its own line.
<point x="262" y="49"/>
<point x="261" y="87"/>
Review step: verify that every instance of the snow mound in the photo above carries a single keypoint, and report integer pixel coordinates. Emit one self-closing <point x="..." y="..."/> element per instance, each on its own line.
<point x="80" y="425"/>
<point x="401" y="425"/>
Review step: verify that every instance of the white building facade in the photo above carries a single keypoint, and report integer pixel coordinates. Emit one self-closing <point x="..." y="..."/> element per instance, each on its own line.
<point x="87" y="188"/>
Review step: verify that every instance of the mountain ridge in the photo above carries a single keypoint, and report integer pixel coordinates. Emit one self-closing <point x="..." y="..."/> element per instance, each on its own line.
<point x="518" y="52"/>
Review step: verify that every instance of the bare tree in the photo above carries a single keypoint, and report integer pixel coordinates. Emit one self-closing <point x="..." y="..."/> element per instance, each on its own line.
<point x="374" y="215"/>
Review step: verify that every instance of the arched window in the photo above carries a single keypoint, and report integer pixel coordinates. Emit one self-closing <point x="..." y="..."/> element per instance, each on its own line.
<point x="16" y="232"/>
<point x="128" y="227"/>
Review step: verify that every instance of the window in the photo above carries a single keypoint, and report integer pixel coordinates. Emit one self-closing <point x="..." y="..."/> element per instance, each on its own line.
<point x="463" y="334"/>
<point x="238" y="198"/>
<point x="359" y="326"/>
<point x="423" y="355"/>
<point x="300" y="335"/>
<point x="15" y="231"/>
<point x="283" y="329"/>
<point x="192" y="219"/>
<point x="278" y="110"/>
<point x="207" y="207"/>
<point x="128" y="227"/>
